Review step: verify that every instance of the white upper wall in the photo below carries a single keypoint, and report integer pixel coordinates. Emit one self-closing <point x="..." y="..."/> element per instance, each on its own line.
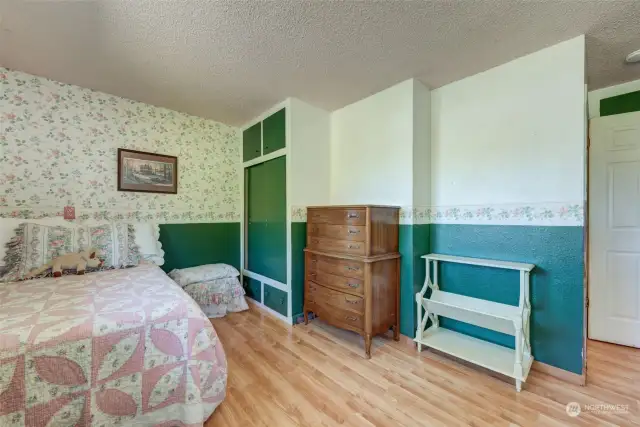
<point x="372" y="149"/>
<point x="421" y="145"/>
<point x="607" y="92"/>
<point x="309" y="165"/>
<point x="512" y="134"/>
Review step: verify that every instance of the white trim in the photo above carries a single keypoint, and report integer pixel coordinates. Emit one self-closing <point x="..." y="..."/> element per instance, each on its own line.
<point x="265" y="114"/>
<point x="262" y="159"/>
<point x="264" y="279"/>
<point x="287" y="320"/>
<point x="288" y="193"/>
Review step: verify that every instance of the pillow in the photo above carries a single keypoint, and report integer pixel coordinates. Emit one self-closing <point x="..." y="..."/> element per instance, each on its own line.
<point x="147" y="237"/>
<point x="202" y="273"/>
<point x="115" y="243"/>
<point x="34" y="245"/>
<point x="8" y="230"/>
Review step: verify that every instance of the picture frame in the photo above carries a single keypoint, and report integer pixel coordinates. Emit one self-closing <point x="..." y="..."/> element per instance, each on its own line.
<point x="146" y="172"/>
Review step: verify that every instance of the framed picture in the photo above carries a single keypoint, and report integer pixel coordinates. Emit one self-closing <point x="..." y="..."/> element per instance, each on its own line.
<point x="147" y="172"/>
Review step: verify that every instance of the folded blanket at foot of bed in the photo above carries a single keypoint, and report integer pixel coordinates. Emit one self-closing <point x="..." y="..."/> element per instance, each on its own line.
<point x="215" y="287"/>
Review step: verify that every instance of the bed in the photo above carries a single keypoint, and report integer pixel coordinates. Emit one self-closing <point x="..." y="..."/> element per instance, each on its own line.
<point x="119" y="347"/>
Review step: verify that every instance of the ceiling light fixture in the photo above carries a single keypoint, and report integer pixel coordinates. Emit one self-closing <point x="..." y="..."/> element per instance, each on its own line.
<point x="634" y="57"/>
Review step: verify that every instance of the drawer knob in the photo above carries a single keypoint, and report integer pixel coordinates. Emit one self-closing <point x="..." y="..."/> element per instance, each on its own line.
<point x="313" y="274"/>
<point x="353" y="319"/>
<point x="353" y="285"/>
<point x="354" y="246"/>
<point x="351" y="301"/>
<point x="349" y="268"/>
<point x="314" y="261"/>
<point x="351" y="215"/>
<point x="351" y="231"/>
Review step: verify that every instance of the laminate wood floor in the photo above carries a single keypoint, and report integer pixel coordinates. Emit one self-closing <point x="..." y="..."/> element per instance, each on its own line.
<point x="315" y="375"/>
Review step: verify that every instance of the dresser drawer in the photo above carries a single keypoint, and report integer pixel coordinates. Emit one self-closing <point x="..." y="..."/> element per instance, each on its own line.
<point x="356" y="233"/>
<point x="336" y="266"/>
<point x="337" y="216"/>
<point x="336" y="299"/>
<point x="332" y="245"/>
<point x="351" y="285"/>
<point x="337" y="317"/>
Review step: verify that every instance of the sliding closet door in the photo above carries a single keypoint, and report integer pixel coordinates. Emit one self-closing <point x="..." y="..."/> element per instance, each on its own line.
<point x="267" y="219"/>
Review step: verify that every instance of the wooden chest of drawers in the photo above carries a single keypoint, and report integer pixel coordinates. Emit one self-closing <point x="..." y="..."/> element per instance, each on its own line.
<point x="352" y="268"/>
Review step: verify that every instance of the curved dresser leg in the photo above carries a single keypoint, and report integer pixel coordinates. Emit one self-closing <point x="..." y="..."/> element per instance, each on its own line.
<point x="367" y="345"/>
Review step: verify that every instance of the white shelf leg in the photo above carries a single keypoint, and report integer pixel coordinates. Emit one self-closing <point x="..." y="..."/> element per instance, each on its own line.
<point x="517" y="368"/>
<point x="419" y="296"/>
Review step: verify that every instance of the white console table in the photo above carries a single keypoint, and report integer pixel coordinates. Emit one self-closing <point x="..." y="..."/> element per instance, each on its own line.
<point x="508" y="319"/>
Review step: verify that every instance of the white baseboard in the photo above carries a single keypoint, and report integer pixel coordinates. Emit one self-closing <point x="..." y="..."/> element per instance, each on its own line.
<point x="287" y="320"/>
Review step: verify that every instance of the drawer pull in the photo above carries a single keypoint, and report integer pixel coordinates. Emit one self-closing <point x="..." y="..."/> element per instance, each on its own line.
<point x="351" y="301"/>
<point x="349" y="268"/>
<point x="313" y="274"/>
<point x="351" y="215"/>
<point x="353" y="285"/>
<point x="354" y="231"/>
<point x="353" y="246"/>
<point x="314" y="261"/>
<point x="353" y="319"/>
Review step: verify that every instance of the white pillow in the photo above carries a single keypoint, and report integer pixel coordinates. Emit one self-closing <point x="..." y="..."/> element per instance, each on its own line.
<point x="147" y="236"/>
<point x="202" y="273"/>
<point x="8" y="229"/>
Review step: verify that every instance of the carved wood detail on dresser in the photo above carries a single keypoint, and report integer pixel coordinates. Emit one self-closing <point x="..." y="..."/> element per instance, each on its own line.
<point x="352" y="268"/>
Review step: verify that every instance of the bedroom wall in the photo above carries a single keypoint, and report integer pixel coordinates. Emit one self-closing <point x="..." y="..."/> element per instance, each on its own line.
<point x="58" y="146"/>
<point x="508" y="182"/>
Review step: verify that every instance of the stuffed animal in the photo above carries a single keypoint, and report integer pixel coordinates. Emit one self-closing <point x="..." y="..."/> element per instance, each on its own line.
<point x="78" y="261"/>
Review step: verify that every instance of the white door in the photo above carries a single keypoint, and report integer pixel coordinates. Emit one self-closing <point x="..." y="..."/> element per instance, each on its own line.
<point x="614" y="229"/>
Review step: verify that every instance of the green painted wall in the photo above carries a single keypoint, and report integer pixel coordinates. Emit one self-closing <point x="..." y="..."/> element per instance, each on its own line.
<point x="298" y="243"/>
<point x="556" y="283"/>
<point x="188" y="245"/>
<point x="627" y="103"/>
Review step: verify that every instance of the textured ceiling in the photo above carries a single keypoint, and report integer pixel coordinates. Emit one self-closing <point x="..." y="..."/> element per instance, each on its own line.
<point x="230" y="60"/>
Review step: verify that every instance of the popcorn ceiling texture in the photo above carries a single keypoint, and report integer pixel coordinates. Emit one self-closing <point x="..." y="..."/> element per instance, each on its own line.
<point x="58" y="146"/>
<point x="230" y="60"/>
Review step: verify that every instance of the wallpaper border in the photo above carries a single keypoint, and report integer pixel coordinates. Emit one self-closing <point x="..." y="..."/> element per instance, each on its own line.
<point x="163" y="217"/>
<point x="550" y="214"/>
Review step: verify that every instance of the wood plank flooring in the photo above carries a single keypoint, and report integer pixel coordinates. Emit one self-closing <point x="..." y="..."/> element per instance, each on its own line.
<point x="315" y="375"/>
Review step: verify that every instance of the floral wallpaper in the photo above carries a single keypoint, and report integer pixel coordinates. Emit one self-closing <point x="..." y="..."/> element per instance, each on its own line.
<point x="58" y="146"/>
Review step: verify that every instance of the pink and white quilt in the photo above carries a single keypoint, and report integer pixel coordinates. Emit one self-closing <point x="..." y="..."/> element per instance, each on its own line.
<point x="115" y="348"/>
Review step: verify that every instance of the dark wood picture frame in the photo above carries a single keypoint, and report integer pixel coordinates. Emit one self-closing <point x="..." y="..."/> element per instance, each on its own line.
<point x="147" y="187"/>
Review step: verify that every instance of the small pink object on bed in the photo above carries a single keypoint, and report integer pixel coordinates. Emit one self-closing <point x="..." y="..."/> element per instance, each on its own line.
<point x="121" y="346"/>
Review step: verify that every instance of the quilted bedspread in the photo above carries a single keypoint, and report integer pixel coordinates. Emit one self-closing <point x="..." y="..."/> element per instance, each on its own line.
<point x="115" y="348"/>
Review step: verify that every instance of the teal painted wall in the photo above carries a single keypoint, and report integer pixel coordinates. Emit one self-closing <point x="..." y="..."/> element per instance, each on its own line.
<point x="298" y="243"/>
<point x="627" y="103"/>
<point x="556" y="282"/>
<point x="188" y="245"/>
<point x="413" y="243"/>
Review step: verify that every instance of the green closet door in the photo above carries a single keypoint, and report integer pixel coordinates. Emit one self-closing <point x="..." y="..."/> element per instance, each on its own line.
<point x="267" y="219"/>
<point x="251" y="142"/>
<point x="274" y="134"/>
